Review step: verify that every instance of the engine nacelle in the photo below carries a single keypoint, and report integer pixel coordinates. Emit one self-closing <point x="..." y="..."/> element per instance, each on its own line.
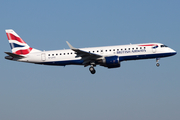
<point x="111" y="62"/>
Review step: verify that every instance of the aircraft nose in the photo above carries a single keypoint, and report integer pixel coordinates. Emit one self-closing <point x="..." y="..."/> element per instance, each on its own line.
<point x="173" y="52"/>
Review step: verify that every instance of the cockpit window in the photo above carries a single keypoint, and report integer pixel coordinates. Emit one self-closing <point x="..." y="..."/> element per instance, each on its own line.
<point x="164" y="46"/>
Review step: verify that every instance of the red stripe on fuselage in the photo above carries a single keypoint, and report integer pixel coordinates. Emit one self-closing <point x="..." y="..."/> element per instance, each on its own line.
<point x="23" y="52"/>
<point x="13" y="37"/>
<point x="149" y="45"/>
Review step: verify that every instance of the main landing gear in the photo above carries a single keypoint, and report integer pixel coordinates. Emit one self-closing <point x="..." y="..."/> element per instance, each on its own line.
<point x="157" y="62"/>
<point x="91" y="69"/>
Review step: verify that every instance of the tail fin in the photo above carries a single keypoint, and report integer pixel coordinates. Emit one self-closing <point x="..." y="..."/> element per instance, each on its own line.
<point x="17" y="44"/>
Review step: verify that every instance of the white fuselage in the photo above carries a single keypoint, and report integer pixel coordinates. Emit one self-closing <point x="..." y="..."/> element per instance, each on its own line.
<point x="124" y="52"/>
<point x="108" y="56"/>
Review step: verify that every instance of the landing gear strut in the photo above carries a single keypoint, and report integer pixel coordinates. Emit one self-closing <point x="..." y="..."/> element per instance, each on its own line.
<point x="157" y="62"/>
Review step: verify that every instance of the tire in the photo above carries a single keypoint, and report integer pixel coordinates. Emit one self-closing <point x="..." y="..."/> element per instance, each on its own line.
<point x="92" y="70"/>
<point x="157" y="64"/>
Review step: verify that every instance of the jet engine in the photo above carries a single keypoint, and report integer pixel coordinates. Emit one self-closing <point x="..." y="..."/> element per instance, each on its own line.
<point x="110" y="62"/>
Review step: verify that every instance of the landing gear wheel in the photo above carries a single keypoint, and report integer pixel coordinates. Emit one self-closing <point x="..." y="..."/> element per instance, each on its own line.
<point x="157" y="64"/>
<point x="92" y="70"/>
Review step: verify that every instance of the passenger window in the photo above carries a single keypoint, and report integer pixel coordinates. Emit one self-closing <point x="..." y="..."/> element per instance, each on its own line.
<point x="97" y="51"/>
<point x="106" y="50"/>
<point x="56" y="54"/>
<point x="48" y="54"/>
<point x="52" y="54"/>
<point x="129" y="48"/>
<point x="64" y="53"/>
<point x="140" y="47"/>
<point x="121" y="49"/>
<point x="93" y="51"/>
<point x="117" y="49"/>
<point x="113" y="49"/>
<point x="144" y="47"/>
<point x="101" y="50"/>
<point x="133" y="48"/>
<point x="109" y="50"/>
<point x="137" y="48"/>
<point x="60" y="53"/>
<point x="125" y="49"/>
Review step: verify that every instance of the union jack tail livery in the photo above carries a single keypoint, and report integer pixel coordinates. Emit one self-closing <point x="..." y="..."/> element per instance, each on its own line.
<point x="17" y="44"/>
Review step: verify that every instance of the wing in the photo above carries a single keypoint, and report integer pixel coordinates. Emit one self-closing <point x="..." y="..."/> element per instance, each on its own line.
<point x="86" y="56"/>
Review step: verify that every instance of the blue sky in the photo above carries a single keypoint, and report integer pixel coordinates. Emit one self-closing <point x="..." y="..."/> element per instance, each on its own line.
<point x="138" y="90"/>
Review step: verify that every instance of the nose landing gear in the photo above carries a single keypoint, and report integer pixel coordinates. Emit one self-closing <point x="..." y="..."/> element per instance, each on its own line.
<point x="157" y="62"/>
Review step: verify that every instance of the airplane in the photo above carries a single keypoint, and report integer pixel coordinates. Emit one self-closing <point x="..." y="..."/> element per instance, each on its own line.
<point x="107" y="56"/>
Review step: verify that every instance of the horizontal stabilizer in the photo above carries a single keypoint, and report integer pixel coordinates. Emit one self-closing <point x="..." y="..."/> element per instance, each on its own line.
<point x="14" y="55"/>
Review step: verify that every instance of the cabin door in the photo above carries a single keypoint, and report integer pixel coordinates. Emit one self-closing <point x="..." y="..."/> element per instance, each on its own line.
<point x="43" y="57"/>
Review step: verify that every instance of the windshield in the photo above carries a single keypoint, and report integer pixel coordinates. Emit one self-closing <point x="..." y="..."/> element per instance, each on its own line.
<point x="164" y="46"/>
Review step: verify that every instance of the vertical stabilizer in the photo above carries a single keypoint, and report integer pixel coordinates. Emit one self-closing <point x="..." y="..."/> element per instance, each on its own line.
<point x="17" y="44"/>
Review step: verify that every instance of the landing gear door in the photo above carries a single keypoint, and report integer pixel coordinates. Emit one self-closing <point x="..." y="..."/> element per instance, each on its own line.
<point x="43" y="56"/>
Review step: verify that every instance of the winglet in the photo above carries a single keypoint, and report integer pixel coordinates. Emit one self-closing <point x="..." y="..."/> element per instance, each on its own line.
<point x="70" y="46"/>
